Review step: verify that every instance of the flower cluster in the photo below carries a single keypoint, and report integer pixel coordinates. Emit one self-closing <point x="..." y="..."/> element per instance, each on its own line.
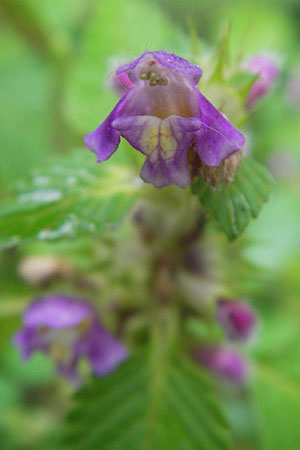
<point x="67" y="329"/>
<point x="238" y="322"/>
<point x="163" y="115"/>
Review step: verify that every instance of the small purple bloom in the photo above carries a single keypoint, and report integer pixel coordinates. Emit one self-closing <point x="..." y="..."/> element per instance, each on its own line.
<point x="224" y="362"/>
<point x="237" y="319"/>
<point x="67" y="328"/>
<point x="267" y="69"/>
<point x="162" y="115"/>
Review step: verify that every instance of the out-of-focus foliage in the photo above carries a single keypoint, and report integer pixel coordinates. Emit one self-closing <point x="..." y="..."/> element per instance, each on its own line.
<point x="147" y="392"/>
<point x="66" y="200"/>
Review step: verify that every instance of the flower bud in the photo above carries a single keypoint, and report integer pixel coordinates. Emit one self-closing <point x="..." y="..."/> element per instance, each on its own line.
<point x="236" y="318"/>
<point x="267" y="70"/>
<point x="224" y="362"/>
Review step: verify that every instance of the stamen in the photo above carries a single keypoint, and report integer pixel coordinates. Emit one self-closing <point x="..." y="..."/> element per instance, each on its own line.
<point x="163" y="82"/>
<point x="144" y="75"/>
<point x="153" y="83"/>
<point x="154" y="78"/>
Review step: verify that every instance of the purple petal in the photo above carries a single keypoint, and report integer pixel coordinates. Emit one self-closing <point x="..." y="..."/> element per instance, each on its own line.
<point x="217" y="139"/>
<point x="28" y="340"/>
<point x="57" y="311"/>
<point x="104" y="351"/>
<point x="105" y="140"/>
<point x="166" y="60"/>
<point x="165" y="144"/>
<point x="163" y="173"/>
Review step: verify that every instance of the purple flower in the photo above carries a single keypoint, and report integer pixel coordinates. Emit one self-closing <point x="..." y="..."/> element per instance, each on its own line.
<point x="267" y="69"/>
<point x="67" y="328"/>
<point x="237" y="319"/>
<point x="224" y="362"/>
<point x="162" y="115"/>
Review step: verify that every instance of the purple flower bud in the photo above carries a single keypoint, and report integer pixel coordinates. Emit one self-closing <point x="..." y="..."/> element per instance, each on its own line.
<point x="237" y="319"/>
<point x="67" y="329"/>
<point x="267" y="69"/>
<point x="224" y="362"/>
<point x="162" y="115"/>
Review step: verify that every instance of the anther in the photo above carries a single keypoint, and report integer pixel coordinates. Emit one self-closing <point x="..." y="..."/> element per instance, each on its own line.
<point x="154" y="76"/>
<point x="144" y="75"/>
<point x="163" y="82"/>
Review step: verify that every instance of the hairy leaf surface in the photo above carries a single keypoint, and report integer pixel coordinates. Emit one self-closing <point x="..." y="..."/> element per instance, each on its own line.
<point x="234" y="205"/>
<point x="70" y="197"/>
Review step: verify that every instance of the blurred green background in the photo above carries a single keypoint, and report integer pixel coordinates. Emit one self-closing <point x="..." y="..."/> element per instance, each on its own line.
<point x="54" y="59"/>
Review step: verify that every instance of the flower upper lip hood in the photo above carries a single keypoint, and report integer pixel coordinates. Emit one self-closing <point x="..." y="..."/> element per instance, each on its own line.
<point x="166" y="60"/>
<point x="57" y="312"/>
<point x="162" y="115"/>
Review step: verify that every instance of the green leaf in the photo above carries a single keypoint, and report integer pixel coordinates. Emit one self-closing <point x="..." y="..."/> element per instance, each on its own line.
<point x="277" y="402"/>
<point x="139" y="408"/>
<point x="233" y="205"/>
<point x="276" y="381"/>
<point x="71" y="197"/>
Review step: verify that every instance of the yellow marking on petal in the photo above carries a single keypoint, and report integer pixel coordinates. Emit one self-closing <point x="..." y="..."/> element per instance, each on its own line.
<point x="167" y="141"/>
<point x="149" y="141"/>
